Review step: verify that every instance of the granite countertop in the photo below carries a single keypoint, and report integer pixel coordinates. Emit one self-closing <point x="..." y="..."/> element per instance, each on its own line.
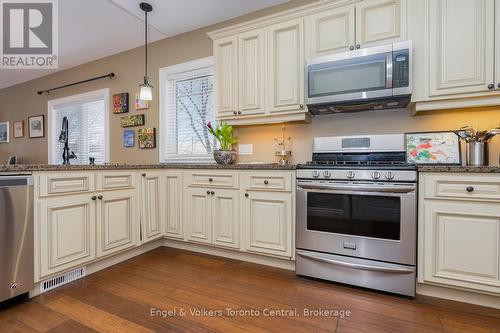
<point x="458" y="168"/>
<point x="123" y="166"/>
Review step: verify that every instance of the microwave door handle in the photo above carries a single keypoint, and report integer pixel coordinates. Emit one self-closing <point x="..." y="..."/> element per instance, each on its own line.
<point x="388" y="70"/>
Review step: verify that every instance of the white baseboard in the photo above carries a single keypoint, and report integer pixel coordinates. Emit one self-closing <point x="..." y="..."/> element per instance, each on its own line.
<point x="459" y="295"/>
<point x="231" y="254"/>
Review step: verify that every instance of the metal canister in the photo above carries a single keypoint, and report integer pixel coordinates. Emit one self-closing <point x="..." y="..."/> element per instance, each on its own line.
<point x="477" y="153"/>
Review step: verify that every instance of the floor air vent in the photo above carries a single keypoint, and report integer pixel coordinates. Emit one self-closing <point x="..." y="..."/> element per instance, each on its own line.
<point x="62" y="279"/>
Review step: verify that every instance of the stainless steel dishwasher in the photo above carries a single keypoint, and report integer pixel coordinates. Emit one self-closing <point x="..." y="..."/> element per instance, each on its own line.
<point x="16" y="236"/>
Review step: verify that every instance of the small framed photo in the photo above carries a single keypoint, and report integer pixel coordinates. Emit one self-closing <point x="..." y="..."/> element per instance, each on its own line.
<point x="128" y="138"/>
<point x="18" y="129"/>
<point x="146" y="138"/>
<point x="36" y="126"/>
<point x="433" y="148"/>
<point x="140" y="104"/>
<point x="4" y="132"/>
<point x="120" y="103"/>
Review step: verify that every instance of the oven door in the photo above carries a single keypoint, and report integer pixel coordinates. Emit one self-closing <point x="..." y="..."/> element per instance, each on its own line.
<point x="356" y="75"/>
<point x="358" y="220"/>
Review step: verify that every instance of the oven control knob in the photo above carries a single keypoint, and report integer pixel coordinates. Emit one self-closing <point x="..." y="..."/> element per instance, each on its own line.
<point x="315" y="173"/>
<point x="327" y="174"/>
<point x="376" y="175"/>
<point x="389" y="175"/>
<point x="350" y="174"/>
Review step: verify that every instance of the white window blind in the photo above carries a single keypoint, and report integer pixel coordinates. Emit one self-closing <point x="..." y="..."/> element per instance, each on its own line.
<point x="87" y="117"/>
<point x="186" y="108"/>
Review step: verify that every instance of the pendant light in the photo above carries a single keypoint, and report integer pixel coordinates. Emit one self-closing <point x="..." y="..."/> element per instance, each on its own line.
<point x="146" y="93"/>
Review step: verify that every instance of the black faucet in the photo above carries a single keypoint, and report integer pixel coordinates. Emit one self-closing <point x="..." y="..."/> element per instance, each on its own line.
<point x="64" y="138"/>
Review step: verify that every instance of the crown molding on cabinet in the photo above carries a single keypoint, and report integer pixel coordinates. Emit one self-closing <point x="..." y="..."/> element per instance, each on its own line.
<point x="293" y="13"/>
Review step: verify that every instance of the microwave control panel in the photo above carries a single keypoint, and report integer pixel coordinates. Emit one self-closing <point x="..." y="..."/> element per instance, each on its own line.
<point x="400" y="68"/>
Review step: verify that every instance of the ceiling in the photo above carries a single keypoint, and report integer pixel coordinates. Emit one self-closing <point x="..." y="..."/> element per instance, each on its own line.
<point x="93" y="29"/>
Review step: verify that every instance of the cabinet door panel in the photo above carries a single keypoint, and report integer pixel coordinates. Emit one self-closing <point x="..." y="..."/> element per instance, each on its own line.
<point x="330" y="31"/>
<point x="67" y="229"/>
<point x="116" y="222"/>
<point x="226" y="218"/>
<point x="151" y="206"/>
<point x="198" y="214"/>
<point x="285" y="66"/>
<point x="172" y="203"/>
<point x="462" y="243"/>
<point x="269" y="223"/>
<point x="461" y="52"/>
<point x="380" y="22"/>
<point x="251" y="59"/>
<point x="226" y="76"/>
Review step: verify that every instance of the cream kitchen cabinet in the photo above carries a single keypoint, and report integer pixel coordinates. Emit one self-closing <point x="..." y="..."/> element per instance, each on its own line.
<point x="459" y="231"/>
<point x="212" y="216"/>
<point x="461" y="46"/>
<point x="363" y="24"/>
<point x="198" y="215"/>
<point x="226" y="76"/>
<point x="117" y="217"/>
<point x="66" y="232"/>
<point x="151" y="203"/>
<point x="268" y="222"/>
<point x="172" y="203"/>
<point x="285" y="67"/>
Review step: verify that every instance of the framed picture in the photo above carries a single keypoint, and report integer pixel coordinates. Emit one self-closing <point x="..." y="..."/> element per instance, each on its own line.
<point x="130" y="121"/>
<point x="18" y="129"/>
<point x="146" y="138"/>
<point x="36" y="127"/>
<point x="140" y="104"/>
<point x="4" y="132"/>
<point x="120" y="103"/>
<point x="433" y="148"/>
<point x="128" y="138"/>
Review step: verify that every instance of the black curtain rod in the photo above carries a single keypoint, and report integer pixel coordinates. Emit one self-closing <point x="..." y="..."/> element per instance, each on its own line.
<point x="110" y="75"/>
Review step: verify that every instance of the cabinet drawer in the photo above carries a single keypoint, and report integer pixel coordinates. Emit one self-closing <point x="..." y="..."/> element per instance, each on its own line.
<point x="115" y="180"/>
<point x="213" y="179"/>
<point x="67" y="182"/>
<point x="269" y="181"/>
<point x="463" y="186"/>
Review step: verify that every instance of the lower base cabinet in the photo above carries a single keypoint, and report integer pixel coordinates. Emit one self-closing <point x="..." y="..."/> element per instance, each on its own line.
<point x="67" y="232"/>
<point x="198" y="215"/>
<point x="268" y="222"/>
<point x="226" y="218"/>
<point x="172" y="204"/>
<point x="151" y="203"/>
<point x="116" y="222"/>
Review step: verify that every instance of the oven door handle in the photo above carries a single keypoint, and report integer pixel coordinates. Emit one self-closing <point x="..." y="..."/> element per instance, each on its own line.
<point x="381" y="189"/>
<point x="399" y="270"/>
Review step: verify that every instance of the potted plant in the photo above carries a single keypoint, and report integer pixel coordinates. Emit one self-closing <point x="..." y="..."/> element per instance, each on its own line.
<point x="224" y="136"/>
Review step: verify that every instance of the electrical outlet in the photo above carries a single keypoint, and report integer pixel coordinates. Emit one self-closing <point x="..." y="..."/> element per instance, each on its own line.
<point x="245" y="149"/>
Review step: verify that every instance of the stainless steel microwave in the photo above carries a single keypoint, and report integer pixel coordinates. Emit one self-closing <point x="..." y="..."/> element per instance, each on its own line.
<point x="367" y="79"/>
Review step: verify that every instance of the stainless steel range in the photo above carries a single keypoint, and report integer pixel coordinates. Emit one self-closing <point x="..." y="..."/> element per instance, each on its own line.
<point x="356" y="213"/>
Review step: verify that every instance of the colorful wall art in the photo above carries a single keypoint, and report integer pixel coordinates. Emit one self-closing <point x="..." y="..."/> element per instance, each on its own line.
<point x="146" y="138"/>
<point x="433" y="148"/>
<point x="130" y="121"/>
<point x="128" y="138"/>
<point x="4" y="132"/>
<point x="140" y="104"/>
<point x="120" y="103"/>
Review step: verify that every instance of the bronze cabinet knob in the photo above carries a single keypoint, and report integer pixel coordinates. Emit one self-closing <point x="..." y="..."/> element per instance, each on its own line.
<point x="100" y="197"/>
<point x="94" y="198"/>
<point x="266" y="182"/>
<point x="246" y="195"/>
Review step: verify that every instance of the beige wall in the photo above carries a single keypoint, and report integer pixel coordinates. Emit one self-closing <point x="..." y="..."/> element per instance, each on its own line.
<point x="21" y="101"/>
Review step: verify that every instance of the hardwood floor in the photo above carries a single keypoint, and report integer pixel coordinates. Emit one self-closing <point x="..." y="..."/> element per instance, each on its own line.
<point x="122" y="298"/>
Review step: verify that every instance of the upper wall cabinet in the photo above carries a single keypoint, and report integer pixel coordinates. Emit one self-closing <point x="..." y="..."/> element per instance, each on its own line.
<point x="285" y="82"/>
<point x="456" y="53"/>
<point x="461" y="46"/>
<point x="226" y="76"/>
<point x="364" y="24"/>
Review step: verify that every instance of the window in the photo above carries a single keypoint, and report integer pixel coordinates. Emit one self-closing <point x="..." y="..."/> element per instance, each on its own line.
<point x="88" y="127"/>
<point x="186" y="106"/>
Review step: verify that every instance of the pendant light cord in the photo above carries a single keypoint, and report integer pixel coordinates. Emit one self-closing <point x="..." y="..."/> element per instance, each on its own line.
<point x="146" y="47"/>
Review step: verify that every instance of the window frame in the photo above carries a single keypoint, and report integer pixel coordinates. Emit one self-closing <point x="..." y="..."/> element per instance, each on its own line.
<point x="82" y="98"/>
<point x="198" y="67"/>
